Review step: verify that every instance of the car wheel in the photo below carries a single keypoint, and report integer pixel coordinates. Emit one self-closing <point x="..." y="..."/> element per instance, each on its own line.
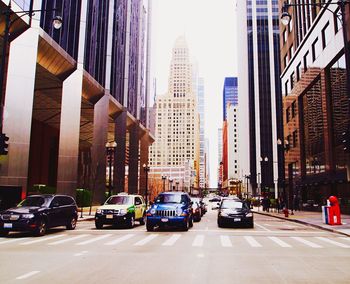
<point x="131" y="222"/>
<point x="3" y="233"/>
<point x="149" y="227"/>
<point x="72" y="224"/>
<point x="220" y="225"/>
<point x="98" y="225"/>
<point x="186" y="226"/>
<point x="191" y="222"/>
<point x="41" y="229"/>
<point x="251" y="224"/>
<point x="143" y="220"/>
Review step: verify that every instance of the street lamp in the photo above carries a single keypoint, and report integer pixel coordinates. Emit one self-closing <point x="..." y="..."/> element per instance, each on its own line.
<point x="247" y="177"/>
<point x="163" y="178"/>
<point x="110" y="150"/>
<point x="7" y="13"/>
<point x="286" y="17"/>
<point x="146" y="168"/>
<point x="171" y="184"/>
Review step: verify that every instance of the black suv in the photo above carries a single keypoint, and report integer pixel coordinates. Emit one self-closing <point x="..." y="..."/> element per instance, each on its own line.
<point x="37" y="213"/>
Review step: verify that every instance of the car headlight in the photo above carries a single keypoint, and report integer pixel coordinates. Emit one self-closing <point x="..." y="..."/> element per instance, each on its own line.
<point x="99" y="211"/>
<point x="28" y="216"/>
<point x="152" y="211"/>
<point x="179" y="212"/>
<point x="123" y="211"/>
<point x="223" y="213"/>
<point x="250" y="214"/>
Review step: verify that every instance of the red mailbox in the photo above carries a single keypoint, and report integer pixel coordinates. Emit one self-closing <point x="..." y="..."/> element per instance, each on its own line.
<point x="334" y="211"/>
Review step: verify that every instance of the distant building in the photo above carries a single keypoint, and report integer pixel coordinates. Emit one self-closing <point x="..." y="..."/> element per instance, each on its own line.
<point x="229" y="93"/>
<point x="177" y="120"/>
<point x="201" y="111"/>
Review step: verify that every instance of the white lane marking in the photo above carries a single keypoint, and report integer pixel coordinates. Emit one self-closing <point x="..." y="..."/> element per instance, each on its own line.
<point x="262" y="227"/>
<point x="94" y="240"/>
<point x="81" y="253"/>
<point x="345" y="238"/>
<point x="198" y="241"/>
<point x="68" y="240"/>
<point x="27" y="275"/>
<point x="252" y="242"/>
<point x="332" y="242"/>
<point x="38" y="240"/>
<point x="172" y="240"/>
<point x="225" y="241"/>
<point x="280" y="242"/>
<point x="119" y="240"/>
<point x="306" y="242"/>
<point x="146" y="240"/>
<point x="11" y="241"/>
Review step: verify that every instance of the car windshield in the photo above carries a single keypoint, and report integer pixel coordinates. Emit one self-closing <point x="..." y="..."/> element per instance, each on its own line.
<point x="231" y="204"/>
<point x="119" y="200"/>
<point x="171" y="198"/>
<point x="35" y="201"/>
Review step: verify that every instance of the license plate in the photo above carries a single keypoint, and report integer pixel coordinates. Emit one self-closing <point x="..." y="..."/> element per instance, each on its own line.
<point x="164" y="219"/>
<point x="7" y="225"/>
<point x="109" y="216"/>
<point x="237" y="220"/>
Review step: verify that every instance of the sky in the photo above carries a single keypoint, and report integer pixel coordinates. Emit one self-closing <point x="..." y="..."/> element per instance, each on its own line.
<point x="209" y="28"/>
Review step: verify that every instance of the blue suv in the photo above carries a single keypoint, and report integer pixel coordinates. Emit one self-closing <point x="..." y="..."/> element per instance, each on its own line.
<point x="170" y="209"/>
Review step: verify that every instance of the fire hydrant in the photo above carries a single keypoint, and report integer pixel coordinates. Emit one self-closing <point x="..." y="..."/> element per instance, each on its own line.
<point x="286" y="212"/>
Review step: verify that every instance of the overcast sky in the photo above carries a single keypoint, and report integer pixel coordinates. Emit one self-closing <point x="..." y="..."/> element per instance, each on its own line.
<point x="209" y="27"/>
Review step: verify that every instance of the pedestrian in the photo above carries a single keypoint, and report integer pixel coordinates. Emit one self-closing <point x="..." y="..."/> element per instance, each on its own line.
<point x="268" y="204"/>
<point x="278" y="205"/>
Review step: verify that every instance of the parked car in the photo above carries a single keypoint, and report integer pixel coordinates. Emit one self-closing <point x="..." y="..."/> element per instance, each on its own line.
<point x="121" y="209"/>
<point x="170" y="209"/>
<point x="215" y="199"/>
<point x="37" y="213"/>
<point x="233" y="211"/>
<point x="201" y="203"/>
<point x="197" y="211"/>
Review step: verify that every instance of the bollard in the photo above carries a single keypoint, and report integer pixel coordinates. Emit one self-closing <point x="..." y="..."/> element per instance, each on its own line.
<point x="286" y="212"/>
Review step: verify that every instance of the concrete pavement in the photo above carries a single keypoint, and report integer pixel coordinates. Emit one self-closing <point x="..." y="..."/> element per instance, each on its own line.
<point x="313" y="219"/>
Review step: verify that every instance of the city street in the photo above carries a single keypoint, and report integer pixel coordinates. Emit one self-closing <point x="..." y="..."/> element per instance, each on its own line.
<point x="275" y="251"/>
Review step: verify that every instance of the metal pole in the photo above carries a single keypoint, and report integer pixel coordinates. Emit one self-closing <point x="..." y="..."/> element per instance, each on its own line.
<point x="146" y="191"/>
<point x="110" y="172"/>
<point x="4" y="62"/>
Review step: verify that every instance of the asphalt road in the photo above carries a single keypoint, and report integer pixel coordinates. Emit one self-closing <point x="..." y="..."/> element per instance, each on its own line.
<point x="275" y="251"/>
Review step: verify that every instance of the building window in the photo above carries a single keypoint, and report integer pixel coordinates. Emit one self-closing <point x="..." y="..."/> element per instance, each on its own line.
<point x="286" y="88"/>
<point x="295" y="138"/>
<point x="291" y="52"/>
<point x="314" y="50"/>
<point x="292" y="81"/>
<point x="287" y="114"/>
<point x="336" y="20"/>
<point x="285" y="36"/>
<point x="293" y="109"/>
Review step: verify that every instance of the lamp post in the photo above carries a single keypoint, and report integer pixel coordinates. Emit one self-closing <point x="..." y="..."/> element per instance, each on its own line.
<point x="247" y="177"/>
<point x="171" y="184"/>
<point x="110" y="149"/>
<point x="177" y="185"/>
<point x="263" y="160"/>
<point x="146" y="168"/>
<point x="7" y="13"/>
<point x="163" y="179"/>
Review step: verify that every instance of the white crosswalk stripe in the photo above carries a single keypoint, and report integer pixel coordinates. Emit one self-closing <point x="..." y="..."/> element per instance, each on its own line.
<point x="146" y="240"/>
<point x="10" y="241"/>
<point x="94" y="240"/>
<point x="225" y="241"/>
<point x="119" y="240"/>
<point x="280" y="242"/>
<point x="254" y="243"/>
<point x="306" y="242"/>
<point x="345" y="238"/>
<point x="172" y="240"/>
<point x="68" y="240"/>
<point x="198" y="241"/>
<point x="332" y="242"/>
<point x="39" y="240"/>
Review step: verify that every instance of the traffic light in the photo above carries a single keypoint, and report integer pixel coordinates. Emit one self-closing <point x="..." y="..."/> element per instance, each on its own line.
<point x="346" y="141"/>
<point x="3" y="144"/>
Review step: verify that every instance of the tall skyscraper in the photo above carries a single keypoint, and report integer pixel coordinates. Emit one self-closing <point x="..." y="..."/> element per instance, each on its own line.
<point x="177" y="122"/>
<point x="229" y="94"/>
<point x="260" y="104"/>
<point x="201" y="110"/>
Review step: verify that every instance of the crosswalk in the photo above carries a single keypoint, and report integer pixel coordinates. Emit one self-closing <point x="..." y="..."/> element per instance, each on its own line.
<point x="170" y="240"/>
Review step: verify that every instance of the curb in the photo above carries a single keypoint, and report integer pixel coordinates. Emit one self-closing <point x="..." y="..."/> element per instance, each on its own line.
<point x="304" y="223"/>
<point x="86" y="219"/>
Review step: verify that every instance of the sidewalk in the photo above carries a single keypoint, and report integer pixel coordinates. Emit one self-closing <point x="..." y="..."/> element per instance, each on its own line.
<point x="86" y="216"/>
<point x="313" y="219"/>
